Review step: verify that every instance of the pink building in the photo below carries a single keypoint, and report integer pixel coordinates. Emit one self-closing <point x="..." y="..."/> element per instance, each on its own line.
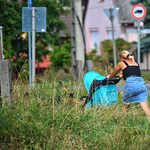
<point x="97" y="25"/>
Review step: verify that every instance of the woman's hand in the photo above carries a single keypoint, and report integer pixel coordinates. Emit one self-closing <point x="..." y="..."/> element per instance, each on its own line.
<point x="120" y="76"/>
<point x="108" y="76"/>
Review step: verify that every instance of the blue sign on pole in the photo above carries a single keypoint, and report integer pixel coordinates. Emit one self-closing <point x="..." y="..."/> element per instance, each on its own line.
<point x="29" y="3"/>
<point x="40" y="19"/>
<point x="114" y="13"/>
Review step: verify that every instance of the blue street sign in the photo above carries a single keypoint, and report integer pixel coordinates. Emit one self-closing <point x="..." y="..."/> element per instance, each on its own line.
<point x="29" y="3"/>
<point x="132" y="31"/>
<point x="114" y="12"/>
<point x="144" y="31"/>
<point x="26" y="19"/>
<point x="40" y="19"/>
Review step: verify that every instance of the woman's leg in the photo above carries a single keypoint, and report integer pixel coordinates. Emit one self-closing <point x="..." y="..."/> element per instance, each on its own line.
<point x="126" y="107"/>
<point x="144" y="106"/>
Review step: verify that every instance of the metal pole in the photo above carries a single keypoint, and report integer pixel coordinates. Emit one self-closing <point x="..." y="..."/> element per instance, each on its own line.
<point x="0" y="46"/>
<point x="138" y="42"/>
<point x="1" y="43"/>
<point x="33" y="45"/>
<point x="114" y="46"/>
<point x="29" y="43"/>
<point x="73" y="38"/>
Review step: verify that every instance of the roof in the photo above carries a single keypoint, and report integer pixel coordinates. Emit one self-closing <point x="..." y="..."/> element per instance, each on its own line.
<point x="124" y="13"/>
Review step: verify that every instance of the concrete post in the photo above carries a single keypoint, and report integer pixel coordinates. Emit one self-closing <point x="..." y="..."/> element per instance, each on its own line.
<point x="78" y="54"/>
<point x="90" y="65"/>
<point x="79" y="38"/>
<point x="80" y="69"/>
<point x="0" y="46"/>
<point x="6" y="81"/>
<point x="73" y="39"/>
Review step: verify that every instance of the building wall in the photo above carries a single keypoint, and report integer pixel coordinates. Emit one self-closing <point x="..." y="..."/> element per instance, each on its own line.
<point x="145" y="65"/>
<point x="97" y="19"/>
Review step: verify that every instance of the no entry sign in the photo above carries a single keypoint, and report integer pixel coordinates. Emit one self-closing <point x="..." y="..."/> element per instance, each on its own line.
<point x="138" y="11"/>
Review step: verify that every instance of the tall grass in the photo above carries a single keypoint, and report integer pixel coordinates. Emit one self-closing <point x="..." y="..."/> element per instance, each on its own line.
<point x="47" y="119"/>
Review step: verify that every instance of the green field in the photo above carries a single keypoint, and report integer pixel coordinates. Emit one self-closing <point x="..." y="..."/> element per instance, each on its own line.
<point x="47" y="119"/>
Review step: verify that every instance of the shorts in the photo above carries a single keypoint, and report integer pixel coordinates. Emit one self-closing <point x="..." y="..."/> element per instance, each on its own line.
<point x="135" y="90"/>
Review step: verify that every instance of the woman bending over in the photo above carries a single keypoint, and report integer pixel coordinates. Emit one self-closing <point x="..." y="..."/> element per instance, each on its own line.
<point x="135" y="90"/>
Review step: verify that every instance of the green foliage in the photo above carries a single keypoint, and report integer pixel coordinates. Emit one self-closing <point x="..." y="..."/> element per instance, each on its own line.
<point x="46" y="120"/>
<point x="11" y="20"/>
<point x="107" y="49"/>
<point x="146" y="75"/>
<point x="24" y="73"/>
<point x="61" y="56"/>
<point x="95" y="58"/>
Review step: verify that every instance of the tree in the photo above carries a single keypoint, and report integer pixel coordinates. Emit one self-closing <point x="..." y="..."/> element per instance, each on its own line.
<point x="107" y="49"/>
<point x="145" y="41"/>
<point x="11" y="20"/>
<point x="61" y="56"/>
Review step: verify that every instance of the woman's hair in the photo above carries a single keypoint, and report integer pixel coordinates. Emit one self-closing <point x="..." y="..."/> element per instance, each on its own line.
<point x="126" y="55"/>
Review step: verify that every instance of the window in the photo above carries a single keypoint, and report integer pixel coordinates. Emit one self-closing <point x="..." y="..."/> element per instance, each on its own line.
<point x="109" y="33"/>
<point x="94" y="39"/>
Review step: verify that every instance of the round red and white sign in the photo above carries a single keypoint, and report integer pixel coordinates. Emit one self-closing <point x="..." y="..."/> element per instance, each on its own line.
<point x="138" y="11"/>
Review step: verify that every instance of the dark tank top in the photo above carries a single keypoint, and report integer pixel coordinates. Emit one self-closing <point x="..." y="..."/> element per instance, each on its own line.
<point x="131" y="71"/>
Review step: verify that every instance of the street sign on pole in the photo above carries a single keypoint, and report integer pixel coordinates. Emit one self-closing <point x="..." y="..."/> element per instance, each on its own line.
<point x="33" y="19"/>
<point x="138" y="12"/>
<point x="40" y="20"/>
<point x="111" y="14"/>
<point x="144" y="31"/>
<point x="114" y="12"/>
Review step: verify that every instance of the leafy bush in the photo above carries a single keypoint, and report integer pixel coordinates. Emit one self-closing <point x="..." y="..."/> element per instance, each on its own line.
<point x="107" y="50"/>
<point x="146" y="75"/>
<point x="61" y="56"/>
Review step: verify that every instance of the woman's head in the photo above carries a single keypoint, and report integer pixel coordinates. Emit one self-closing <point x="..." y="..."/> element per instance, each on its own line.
<point x="126" y="55"/>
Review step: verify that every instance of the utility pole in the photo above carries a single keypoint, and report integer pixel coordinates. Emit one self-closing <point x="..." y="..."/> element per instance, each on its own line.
<point x="114" y="45"/>
<point x="0" y="47"/>
<point x="73" y="39"/>
<point x="29" y="52"/>
<point x="1" y="43"/>
<point x="33" y="44"/>
<point x="139" y="42"/>
<point x="78" y="54"/>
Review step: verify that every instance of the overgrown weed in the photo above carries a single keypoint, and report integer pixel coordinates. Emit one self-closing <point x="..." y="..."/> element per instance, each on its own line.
<point x="46" y="118"/>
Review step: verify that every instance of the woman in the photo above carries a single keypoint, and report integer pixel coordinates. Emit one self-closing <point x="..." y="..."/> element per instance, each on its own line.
<point x="135" y="89"/>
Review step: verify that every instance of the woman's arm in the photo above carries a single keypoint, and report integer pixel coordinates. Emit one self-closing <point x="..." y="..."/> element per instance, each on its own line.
<point x="116" y="70"/>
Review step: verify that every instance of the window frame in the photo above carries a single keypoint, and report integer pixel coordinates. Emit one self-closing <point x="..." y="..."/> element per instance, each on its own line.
<point x="94" y="29"/>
